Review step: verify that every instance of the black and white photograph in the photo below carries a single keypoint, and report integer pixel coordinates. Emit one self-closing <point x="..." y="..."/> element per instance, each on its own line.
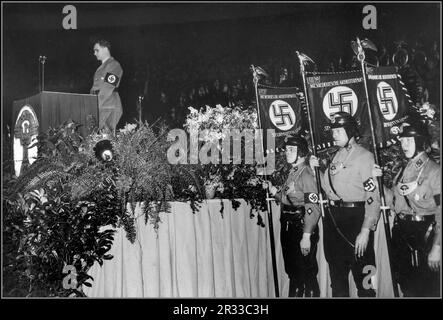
<point x="250" y="151"/>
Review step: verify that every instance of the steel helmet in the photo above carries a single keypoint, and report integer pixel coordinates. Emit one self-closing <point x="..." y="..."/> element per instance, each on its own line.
<point x="345" y="120"/>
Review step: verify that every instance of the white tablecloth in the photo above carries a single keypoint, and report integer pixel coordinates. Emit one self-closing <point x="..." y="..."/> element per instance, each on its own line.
<point x="205" y="254"/>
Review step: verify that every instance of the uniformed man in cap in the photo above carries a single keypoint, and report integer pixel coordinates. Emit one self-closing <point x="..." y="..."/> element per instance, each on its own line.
<point x="353" y="210"/>
<point x="299" y="216"/>
<point x="107" y="78"/>
<point x="416" y="234"/>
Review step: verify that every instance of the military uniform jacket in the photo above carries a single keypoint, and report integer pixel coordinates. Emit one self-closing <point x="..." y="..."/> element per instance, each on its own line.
<point x="300" y="186"/>
<point x="106" y="80"/>
<point x="422" y="198"/>
<point x="350" y="174"/>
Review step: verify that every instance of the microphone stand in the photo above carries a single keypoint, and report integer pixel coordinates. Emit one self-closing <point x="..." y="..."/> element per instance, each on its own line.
<point x="139" y="107"/>
<point x="42" y="60"/>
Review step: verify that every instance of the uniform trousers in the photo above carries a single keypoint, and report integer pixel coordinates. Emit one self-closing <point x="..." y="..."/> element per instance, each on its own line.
<point x="411" y="244"/>
<point x="302" y="270"/>
<point x="341" y="256"/>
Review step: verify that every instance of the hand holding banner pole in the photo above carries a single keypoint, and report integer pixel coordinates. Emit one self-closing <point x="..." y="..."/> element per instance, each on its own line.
<point x="358" y="49"/>
<point x="257" y="72"/>
<point x="304" y="59"/>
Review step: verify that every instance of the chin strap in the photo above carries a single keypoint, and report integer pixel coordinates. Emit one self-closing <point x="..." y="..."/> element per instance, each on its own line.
<point x="295" y="161"/>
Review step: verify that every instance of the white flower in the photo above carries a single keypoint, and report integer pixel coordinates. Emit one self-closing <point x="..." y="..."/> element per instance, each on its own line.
<point x="192" y="110"/>
<point x="427" y="110"/>
<point x="129" y="127"/>
<point x="231" y="175"/>
<point x="253" y="181"/>
<point x="219" y="118"/>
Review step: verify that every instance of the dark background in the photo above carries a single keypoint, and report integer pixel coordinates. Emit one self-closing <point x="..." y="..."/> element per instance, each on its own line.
<point x="178" y="46"/>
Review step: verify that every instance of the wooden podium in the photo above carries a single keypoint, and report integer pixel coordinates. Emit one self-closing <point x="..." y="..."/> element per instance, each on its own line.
<point x="36" y="114"/>
<point x="54" y="108"/>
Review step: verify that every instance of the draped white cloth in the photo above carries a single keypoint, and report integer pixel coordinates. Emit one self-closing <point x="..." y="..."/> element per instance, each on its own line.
<point x="209" y="254"/>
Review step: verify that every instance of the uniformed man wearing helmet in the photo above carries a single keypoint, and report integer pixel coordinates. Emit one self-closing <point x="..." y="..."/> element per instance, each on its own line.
<point x="416" y="234"/>
<point x="299" y="216"/>
<point x="353" y="209"/>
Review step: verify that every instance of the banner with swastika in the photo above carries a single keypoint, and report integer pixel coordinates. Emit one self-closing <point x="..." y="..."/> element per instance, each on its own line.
<point x="389" y="100"/>
<point x="330" y="93"/>
<point x="281" y="110"/>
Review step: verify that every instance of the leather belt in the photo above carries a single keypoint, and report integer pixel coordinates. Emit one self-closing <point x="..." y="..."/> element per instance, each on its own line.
<point x="95" y="92"/>
<point x="293" y="210"/>
<point x="416" y="218"/>
<point x="345" y="204"/>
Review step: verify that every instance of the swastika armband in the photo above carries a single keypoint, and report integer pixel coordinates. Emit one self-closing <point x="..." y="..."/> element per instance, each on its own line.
<point x="370" y="200"/>
<point x="311" y="197"/>
<point x="437" y="199"/>
<point x="369" y="185"/>
<point x="111" y="79"/>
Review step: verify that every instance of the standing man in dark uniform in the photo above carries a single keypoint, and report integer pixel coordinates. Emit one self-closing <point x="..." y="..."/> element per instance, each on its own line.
<point x="107" y="78"/>
<point x="353" y="210"/>
<point x="299" y="217"/>
<point x="416" y="234"/>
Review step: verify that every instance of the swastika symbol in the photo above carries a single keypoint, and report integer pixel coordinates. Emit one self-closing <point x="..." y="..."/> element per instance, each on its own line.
<point x="369" y="185"/>
<point x="313" y="198"/>
<point x="338" y="99"/>
<point x="111" y="79"/>
<point x="282" y="115"/>
<point x="340" y="103"/>
<point x="387" y="100"/>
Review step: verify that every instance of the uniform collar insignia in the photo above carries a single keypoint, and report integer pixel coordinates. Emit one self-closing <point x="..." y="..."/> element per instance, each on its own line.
<point x="294" y="170"/>
<point x="420" y="160"/>
<point x="419" y="163"/>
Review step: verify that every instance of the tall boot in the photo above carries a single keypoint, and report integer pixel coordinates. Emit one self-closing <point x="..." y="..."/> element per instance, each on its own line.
<point x="312" y="289"/>
<point x="300" y="291"/>
<point x="296" y="289"/>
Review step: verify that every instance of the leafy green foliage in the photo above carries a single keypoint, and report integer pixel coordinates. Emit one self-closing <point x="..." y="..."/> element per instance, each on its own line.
<point x="43" y="234"/>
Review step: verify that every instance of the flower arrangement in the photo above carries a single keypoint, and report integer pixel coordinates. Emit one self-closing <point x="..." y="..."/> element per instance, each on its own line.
<point x="227" y="180"/>
<point x="219" y="119"/>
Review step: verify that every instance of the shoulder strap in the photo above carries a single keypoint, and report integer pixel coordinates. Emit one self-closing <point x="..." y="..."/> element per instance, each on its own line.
<point x="296" y="178"/>
<point x="330" y="183"/>
<point x="399" y="175"/>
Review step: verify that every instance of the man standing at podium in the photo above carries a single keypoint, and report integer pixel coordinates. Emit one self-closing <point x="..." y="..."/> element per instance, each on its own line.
<point x="106" y="81"/>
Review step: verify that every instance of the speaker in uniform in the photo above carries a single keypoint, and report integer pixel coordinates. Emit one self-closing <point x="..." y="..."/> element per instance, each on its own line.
<point x="107" y="79"/>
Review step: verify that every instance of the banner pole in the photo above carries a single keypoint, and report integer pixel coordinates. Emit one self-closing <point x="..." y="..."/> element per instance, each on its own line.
<point x="269" y="207"/>
<point x="384" y="208"/>
<point x="311" y="132"/>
